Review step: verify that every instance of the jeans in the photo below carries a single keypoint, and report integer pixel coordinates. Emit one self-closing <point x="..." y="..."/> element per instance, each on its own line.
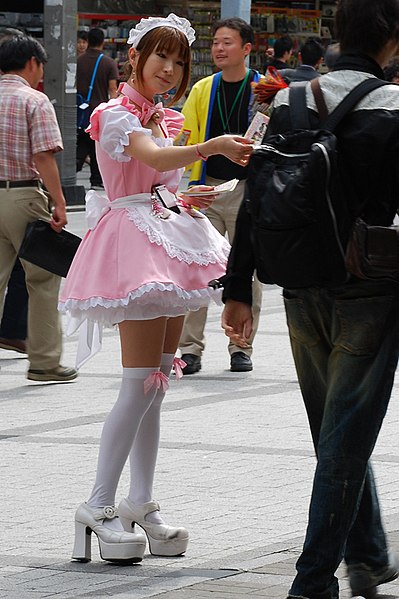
<point x="345" y="346"/>
<point x="14" y="322"/>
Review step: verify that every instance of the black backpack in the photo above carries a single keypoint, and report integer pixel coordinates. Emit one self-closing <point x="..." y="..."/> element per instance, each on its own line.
<point x="300" y="222"/>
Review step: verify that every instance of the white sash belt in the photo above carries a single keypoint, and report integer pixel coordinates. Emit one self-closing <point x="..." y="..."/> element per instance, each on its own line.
<point x="90" y="341"/>
<point x="97" y="205"/>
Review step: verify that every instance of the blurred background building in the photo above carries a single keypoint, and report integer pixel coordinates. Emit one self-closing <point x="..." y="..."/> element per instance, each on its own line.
<point x="56" y="22"/>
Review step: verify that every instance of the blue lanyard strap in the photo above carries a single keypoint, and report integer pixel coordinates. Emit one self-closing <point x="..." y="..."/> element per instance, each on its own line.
<point x="93" y="78"/>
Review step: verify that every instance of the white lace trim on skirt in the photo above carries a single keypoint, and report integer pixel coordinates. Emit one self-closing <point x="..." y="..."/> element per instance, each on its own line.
<point x="211" y="249"/>
<point x="93" y="314"/>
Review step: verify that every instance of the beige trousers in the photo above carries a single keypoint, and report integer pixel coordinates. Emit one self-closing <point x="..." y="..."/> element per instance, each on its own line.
<point x="223" y="215"/>
<point x="18" y="207"/>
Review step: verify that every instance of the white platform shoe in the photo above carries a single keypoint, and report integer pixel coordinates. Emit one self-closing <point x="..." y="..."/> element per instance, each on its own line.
<point x="115" y="546"/>
<point x="163" y="540"/>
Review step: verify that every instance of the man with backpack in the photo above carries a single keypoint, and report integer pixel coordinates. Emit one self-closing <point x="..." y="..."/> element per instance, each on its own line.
<point x="343" y="328"/>
<point x="104" y="87"/>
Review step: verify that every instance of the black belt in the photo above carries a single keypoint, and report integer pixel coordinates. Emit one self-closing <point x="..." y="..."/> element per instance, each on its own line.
<point x="10" y="184"/>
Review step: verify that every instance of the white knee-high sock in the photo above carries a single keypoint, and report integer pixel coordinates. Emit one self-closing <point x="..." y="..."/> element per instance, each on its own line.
<point x="119" y="432"/>
<point x="143" y="455"/>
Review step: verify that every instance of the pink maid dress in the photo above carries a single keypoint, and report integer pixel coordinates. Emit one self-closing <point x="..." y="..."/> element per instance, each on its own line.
<point x="137" y="261"/>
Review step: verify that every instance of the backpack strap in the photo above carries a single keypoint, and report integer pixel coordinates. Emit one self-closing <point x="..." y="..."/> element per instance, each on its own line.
<point x="319" y="99"/>
<point x="299" y="113"/>
<point x="93" y="77"/>
<point x="350" y="101"/>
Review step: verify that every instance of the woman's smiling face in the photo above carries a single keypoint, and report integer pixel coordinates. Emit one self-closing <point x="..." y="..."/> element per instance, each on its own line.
<point x="162" y="71"/>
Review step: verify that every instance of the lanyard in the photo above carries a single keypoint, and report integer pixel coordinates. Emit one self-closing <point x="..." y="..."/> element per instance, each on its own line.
<point x="93" y="78"/>
<point x="240" y="92"/>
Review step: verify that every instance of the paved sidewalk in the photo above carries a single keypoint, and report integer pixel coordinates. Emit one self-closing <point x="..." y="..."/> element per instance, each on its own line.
<point x="235" y="467"/>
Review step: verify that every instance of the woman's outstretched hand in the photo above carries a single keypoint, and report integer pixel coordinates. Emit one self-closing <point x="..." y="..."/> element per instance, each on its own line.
<point x="235" y="148"/>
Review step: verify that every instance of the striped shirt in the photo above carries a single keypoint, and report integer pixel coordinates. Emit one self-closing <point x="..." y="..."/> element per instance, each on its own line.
<point x="28" y="125"/>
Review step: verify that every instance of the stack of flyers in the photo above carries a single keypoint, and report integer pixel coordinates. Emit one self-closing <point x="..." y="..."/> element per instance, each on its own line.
<point x="227" y="186"/>
<point x="257" y="128"/>
<point x="222" y="188"/>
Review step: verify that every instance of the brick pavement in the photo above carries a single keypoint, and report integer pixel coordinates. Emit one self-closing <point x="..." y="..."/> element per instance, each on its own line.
<point x="235" y="467"/>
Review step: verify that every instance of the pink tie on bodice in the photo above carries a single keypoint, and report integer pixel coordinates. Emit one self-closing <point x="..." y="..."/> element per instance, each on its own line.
<point x="148" y="112"/>
<point x="147" y="108"/>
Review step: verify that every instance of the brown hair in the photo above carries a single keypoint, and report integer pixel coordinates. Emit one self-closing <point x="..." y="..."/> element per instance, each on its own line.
<point x="366" y="26"/>
<point x="163" y="39"/>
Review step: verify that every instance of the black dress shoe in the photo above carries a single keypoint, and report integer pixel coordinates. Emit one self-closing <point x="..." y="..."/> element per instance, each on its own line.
<point x="240" y="362"/>
<point x="193" y="363"/>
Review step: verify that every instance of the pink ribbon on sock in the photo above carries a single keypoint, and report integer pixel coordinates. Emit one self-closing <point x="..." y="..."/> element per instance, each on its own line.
<point x="178" y="365"/>
<point x="156" y="379"/>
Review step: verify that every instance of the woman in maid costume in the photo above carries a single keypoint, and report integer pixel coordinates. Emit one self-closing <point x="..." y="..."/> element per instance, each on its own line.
<point x="145" y="261"/>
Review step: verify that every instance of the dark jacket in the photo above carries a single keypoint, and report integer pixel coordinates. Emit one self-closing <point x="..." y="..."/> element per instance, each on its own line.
<point x="301" y="73"/>
<point x="369" y="157"/>
<point x="276" y="63"/>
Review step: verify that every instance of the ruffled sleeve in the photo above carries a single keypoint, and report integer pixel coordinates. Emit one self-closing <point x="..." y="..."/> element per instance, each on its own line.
<point x="114" y="126"/>
<point x="174" y="121"/>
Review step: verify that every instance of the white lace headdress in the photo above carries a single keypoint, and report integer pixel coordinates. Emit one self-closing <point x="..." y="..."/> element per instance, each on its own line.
<point x="172" y="20"/>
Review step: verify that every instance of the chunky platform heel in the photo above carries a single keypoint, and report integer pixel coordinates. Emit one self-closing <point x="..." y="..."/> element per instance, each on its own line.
<point x="122" y="547"/>
<point x="163" y="540"/>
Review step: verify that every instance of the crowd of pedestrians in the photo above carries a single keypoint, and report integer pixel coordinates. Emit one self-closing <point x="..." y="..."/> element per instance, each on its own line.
<point x="344" y="338"/>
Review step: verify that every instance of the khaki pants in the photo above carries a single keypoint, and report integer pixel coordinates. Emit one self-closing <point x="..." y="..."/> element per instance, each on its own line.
<point x="223" y="215"/>
<point x="18" y="207"/>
